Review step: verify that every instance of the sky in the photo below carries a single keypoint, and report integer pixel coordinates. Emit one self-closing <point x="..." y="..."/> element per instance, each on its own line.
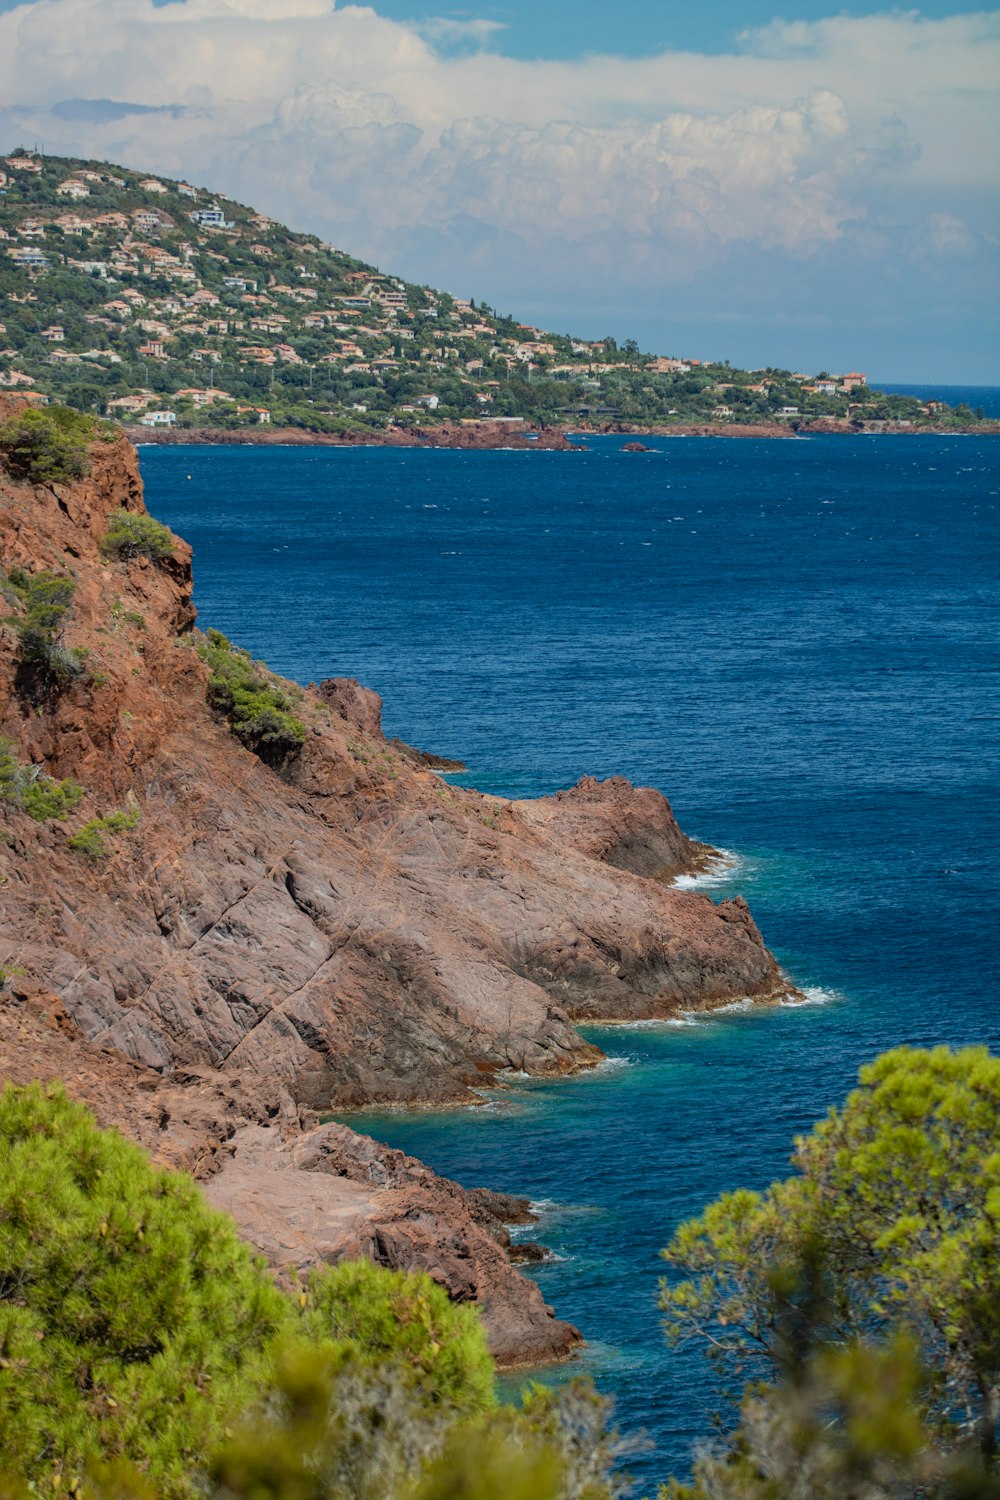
<point x="812" y="190"/>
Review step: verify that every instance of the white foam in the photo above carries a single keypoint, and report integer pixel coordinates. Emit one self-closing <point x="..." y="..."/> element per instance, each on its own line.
<point x="813" y="995"/>
<point x="719" y="871"/>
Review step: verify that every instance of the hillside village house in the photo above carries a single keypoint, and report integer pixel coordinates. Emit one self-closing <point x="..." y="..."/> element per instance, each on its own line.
<point x="210" y="218"/>
<point x="73" y="188"/>
<point x="159" y="419"/>
<point x="152" y="350"/>
<point x="23" y="164"/>
<point x="151" y="185"/>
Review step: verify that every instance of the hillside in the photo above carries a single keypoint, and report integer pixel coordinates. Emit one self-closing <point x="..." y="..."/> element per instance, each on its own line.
<point x="151" y="300"/>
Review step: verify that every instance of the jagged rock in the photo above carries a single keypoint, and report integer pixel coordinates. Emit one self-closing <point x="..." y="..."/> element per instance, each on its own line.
<point x="344" y="930"/>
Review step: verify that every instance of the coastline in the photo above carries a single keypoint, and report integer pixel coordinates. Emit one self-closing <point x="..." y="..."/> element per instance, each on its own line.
<point x="497" y="435"/>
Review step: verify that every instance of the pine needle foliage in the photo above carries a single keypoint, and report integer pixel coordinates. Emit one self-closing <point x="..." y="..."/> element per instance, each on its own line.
<point x="253" y="700"/>
<point x="132" y="1319"/>
<point x="890" y="1225"/>
<point x="131" y="535"/>
<point x="406" y="1318"/>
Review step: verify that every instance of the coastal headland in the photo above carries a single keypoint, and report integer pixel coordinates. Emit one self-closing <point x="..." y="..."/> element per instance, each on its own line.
<point x="232" y="905"/>
<point x="494" y="435"/>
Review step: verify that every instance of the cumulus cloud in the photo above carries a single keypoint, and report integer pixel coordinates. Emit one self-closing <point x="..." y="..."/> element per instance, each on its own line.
<point x="422" y="148"/>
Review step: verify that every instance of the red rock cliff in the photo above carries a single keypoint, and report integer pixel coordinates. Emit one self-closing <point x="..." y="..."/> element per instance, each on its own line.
<point x="345" y="930"/>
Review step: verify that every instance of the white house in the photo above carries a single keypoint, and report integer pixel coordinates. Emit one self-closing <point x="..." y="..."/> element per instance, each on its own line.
<point x="73" y="188"/>
<point x="159" y="419"/>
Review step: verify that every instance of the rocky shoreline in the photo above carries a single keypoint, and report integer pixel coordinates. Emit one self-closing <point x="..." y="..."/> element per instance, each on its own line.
<point x="259" y="943"/>
<point x="496" y="435"/>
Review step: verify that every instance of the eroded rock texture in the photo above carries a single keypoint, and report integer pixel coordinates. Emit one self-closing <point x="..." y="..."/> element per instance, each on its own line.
<point x="345" y="929"/>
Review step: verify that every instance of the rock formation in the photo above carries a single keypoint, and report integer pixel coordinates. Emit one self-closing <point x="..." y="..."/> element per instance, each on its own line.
<point x="340" y="929"/>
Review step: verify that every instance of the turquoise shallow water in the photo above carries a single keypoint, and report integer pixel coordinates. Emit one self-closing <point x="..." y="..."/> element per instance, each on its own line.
<point x="797" y="642"/>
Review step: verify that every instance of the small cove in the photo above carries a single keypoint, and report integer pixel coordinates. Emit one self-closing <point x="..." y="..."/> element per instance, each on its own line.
<point x="796" y="642"/>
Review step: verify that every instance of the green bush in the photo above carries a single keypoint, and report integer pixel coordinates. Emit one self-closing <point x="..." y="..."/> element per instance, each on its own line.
<point x="42" y="797"/>
<point x="134" y="1324"/>
<point x="48" y="446"/>
<point x="89" y="840"/>
<point x="130" y="535"/>
<point x="252" y="699"/>
<point x="409" y="1319"/>
<point x="132" y="1319"/>
<point x="45" y="599"/>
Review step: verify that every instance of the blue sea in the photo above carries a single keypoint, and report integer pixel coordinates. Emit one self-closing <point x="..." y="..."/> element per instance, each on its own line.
<point x="797" y="642"/>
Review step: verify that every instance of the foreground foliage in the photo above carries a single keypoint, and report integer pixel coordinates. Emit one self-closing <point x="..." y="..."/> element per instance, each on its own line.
<point x="886" y="1240"/>
<point x="135" y="1327"/>
<point x="252" y="699"/>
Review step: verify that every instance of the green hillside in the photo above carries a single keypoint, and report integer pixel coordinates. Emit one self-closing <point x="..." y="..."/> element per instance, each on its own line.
<point x="132" y="295"/>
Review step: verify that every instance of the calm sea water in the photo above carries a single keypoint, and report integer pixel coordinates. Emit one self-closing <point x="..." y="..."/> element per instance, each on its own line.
<point x="797" y="642"/>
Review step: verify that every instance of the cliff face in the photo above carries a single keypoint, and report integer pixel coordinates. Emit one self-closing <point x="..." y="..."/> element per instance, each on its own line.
<point x="344" y="930"/>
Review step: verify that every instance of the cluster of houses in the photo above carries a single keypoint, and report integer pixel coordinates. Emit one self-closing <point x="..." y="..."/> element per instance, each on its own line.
<point x="179" y="293"/>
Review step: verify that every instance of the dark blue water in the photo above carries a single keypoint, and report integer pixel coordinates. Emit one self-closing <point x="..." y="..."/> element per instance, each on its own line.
<point x="797" y="641"/>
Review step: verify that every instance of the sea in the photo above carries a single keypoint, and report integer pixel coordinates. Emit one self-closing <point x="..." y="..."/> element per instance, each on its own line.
<point x="797" y="642"/>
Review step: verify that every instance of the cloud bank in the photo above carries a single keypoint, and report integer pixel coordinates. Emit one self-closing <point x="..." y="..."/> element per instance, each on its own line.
<point x="824" y="166"/>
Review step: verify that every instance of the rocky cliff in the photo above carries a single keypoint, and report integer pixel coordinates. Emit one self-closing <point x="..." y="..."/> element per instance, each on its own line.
<point x="250" y="942"/>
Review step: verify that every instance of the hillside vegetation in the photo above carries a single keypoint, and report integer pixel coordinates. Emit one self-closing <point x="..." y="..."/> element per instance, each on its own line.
<point x="131" y="295"/>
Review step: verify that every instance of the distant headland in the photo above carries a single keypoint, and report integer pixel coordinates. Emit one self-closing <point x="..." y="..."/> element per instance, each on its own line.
<point x="190" y="317"/>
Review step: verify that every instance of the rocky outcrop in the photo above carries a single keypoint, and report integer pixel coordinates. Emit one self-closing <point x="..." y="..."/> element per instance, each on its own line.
<point x="345" y="929"/>
<point x="471" y="434"/>
<point x="301" y="1193"/>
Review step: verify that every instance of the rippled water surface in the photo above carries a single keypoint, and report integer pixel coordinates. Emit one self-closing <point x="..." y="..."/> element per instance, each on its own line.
<point x="796" y="641"/>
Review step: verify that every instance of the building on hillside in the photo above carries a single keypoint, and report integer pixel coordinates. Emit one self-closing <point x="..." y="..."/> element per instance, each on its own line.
<point x="186" y="190"/>
<point x="54" y="334"/>
<point x="852" y="381"/>
<point x="159" y="419"/>
<point x="29" y="257"/>
<point x="153" y="350"/>
<point x="431" y="402"/>
<point x="73" y="188"/>
<point x="152" y="185"/>
<point x="131" y="404"/>
<point x="210" y="218"/>
<point x="24" y="163"/>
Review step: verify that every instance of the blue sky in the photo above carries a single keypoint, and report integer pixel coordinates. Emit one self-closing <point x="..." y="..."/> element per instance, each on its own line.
<point x="635" y="28"/>
<point x="814" y="191"/>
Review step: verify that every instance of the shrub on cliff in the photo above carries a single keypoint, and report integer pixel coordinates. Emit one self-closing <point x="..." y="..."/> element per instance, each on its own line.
<point x="47" y="446"/>
<point x="45" y="599"/>
<point x="129" y="535"/>
<point x="889" y="1229"/>
<point x="252" y="699"/>
<point x="42" y="797"/>
<point x="90" y="839"/>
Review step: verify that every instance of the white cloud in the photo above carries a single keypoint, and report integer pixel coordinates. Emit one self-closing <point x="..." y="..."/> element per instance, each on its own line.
<point x="861" y="136"/>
